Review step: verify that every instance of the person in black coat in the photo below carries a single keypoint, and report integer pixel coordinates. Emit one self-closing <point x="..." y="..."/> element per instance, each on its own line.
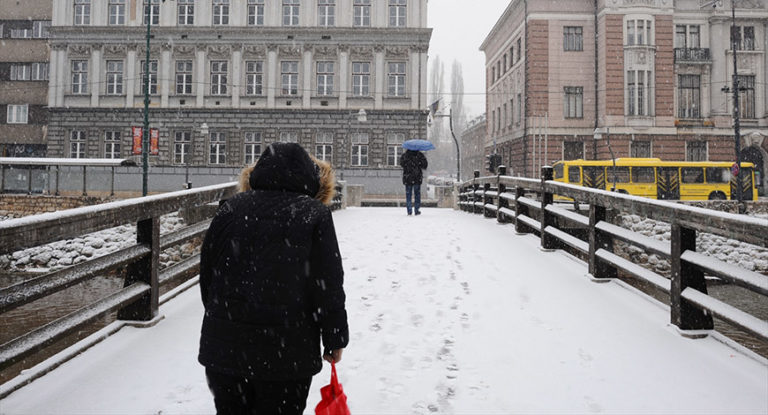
<point x="271" y="280"/>
<point x="413" y="162"/>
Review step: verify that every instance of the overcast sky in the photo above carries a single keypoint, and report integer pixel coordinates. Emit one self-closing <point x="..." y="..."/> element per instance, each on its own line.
<point x="459" y="28"/>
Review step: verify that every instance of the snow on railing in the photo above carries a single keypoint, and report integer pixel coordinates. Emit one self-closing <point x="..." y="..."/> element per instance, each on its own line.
<point x="529" y="204"/>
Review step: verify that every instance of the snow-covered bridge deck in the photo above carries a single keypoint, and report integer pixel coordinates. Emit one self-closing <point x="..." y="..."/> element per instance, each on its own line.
<point x="449" y="313"/>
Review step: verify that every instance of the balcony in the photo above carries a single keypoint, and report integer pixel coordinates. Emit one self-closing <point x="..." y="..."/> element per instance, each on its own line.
<point x="692" y="55"/>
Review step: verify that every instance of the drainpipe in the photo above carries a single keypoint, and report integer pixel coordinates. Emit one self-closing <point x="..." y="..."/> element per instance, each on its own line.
<point x="597" y="95"/>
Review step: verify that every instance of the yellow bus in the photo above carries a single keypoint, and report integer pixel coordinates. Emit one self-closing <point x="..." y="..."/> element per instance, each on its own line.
<point x="656" y="179"/>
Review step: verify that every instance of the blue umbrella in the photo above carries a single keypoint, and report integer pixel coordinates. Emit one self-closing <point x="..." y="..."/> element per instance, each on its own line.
<point x="418" y="145"/>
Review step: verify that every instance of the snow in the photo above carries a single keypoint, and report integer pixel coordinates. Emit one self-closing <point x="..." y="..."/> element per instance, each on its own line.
<point x="449" y="313"/>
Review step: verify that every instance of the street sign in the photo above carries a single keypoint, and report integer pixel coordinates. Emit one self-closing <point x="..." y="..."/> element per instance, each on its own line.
<point x="735" y="169"/>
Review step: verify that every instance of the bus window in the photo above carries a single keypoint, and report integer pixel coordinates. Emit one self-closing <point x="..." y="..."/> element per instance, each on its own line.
<point x="643" y="175"/>
<point x="622" y="174"/>
<point x="692" y="174"/>
<point x="558" y="171"/>
<point x="574" y="174"/>
<point x="718" y="175"/>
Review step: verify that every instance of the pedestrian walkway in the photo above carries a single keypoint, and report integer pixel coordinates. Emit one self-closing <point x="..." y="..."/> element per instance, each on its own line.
<point x="449" y="313"/>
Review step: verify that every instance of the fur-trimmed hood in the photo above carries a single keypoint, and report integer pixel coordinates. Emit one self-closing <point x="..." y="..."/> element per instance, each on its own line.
<point x="283" y="166"/>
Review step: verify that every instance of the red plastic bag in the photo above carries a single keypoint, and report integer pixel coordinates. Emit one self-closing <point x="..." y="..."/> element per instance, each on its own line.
<point x="334" y="400"/>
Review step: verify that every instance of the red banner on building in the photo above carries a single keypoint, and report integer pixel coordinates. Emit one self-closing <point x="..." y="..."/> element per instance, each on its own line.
<point x="154" y="141"/>
<point x="136" y="133"/>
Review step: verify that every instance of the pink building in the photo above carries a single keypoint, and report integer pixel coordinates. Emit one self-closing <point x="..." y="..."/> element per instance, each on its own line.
<point x="647" y="74"/>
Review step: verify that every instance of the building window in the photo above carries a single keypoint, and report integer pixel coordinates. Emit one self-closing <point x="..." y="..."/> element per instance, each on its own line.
<point x="151" y="11"/>
<point x="359" y="149"/>
<point x="40" y="71"/>
<point x="256" y="12"/>
<point x="396" y="79"/>
<point x="687" y="36"/>
<point x="77" y="144"/>
<point x="394" y="148"/>
<point x="79" y="77"/>
<point x="688" y="96"/>
<point x="519" y="108"/>
<point x="511" y="56"/>
<point x="361" y="79"/>
<point x="519" y="49"/>
<point x="182" y="143"/>
<point x="252" y="149"/>
<point x="82" y="12"/>
<point x="116" y="12"/>
<point x="218" y="77"/>
<point x="254" y="77"/>
<point x="18" y="114"/>
<point x="573" y="150"/>
<point x="743" y="37"/>
<point x="220" y="12"/>
<point x="184" y="77"/>
<point x="641" y="149"/>
<point x="152" y="77"/>
<point x="511" y="112"/>
<point x="40" y="29"/>
<point x="186" y="12"/>
<point x="218" y="149"/>
<point x="326" y="13"/>
<point x="324" y="146"/>
<point x="290" y="77"/>
<point x="504" y="117"/>
<point x="289" y="137"/>
<point x="746" y="95"/>
<point x="21" y="72"/>
<point x="114" y="77"/>
<point x="362" y="13"/>
<point x="291" y="12"/>
<point x="573" y="38"/>
<point x="21" y="34"/>
<point x="505" y="62"/>
<point x="112" y="144"/>
<point x="574" y="99"/>
<point x="638" y="32"/>
<point x="696" y="151"/>
<point x="493" y="74"/>
<point x="325" y="78"/>
<point x="637" y="98"/>
<point x="397" y="11"/>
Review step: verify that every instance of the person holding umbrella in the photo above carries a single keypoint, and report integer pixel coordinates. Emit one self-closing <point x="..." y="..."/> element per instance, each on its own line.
<point x="413" y="162"/>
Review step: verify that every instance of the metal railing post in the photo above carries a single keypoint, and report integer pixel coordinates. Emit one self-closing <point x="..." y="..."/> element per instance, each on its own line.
<point x="685" y="315"/>
<point x="475" y="187"/>
<point x="145" y="270"/>
<point x="597" y="240"/>
<point x="500" y="201"/>
<point x="547" y="242"/>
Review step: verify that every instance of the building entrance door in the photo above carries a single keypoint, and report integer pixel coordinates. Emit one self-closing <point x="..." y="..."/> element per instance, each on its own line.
<point x="668" y="184"/>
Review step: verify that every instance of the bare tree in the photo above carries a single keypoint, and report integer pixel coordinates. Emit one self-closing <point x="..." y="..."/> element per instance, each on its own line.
<point x="457" y="97"/>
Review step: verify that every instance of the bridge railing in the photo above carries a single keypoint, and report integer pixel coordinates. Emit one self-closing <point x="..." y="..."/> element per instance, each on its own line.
<point x="529" y="204"/>
<point x="139" y="300"/>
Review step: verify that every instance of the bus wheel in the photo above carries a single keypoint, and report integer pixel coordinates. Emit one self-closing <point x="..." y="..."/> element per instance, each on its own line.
<point x="717" y="196"/>
<point x="624" y="192"/>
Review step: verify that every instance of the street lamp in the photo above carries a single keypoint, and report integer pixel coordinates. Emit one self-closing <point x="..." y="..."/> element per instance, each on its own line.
<point x="598" y="135"/>
<point x="145" y="131"/>
<point x="362" y="116"/>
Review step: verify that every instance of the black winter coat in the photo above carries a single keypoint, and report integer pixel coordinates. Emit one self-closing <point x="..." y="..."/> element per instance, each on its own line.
<point x="271" y="275"/>
<point x="413" y="162"/>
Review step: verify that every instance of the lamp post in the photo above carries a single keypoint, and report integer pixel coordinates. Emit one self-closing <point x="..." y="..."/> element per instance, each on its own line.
<point x="145" y="130"/>
<point x="362" y="116"/>
<point x="598" y="135"/>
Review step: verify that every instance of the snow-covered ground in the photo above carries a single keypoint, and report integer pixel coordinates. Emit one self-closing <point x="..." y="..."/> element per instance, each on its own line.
<point x="452" y="314"/>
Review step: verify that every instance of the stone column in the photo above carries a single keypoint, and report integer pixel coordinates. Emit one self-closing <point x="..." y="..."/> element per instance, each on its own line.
<point x="344" y="78"/>
<point x="414" y="71"/>
<point x="237" y="57"/>
<point x="306" y="78"/>
<point x="130" y="76"/>
<point x="95" y="75"/>
<point x="165" y="75"/>
<point x="53" y="72"/>
<point x="200" y="78"/>
<point x="63" y="75"/>
<point x="272" y="73"/>
<point x="380" y="76"/>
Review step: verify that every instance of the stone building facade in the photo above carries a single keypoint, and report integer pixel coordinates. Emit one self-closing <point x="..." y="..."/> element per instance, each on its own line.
<point x="648" y="74"/>
<point x="472" y="141"/>
<point x="24" y="77"/>
<point x="229" y="77"/>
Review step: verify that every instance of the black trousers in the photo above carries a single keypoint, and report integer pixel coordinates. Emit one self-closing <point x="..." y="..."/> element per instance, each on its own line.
<point x="238" y="395"/>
